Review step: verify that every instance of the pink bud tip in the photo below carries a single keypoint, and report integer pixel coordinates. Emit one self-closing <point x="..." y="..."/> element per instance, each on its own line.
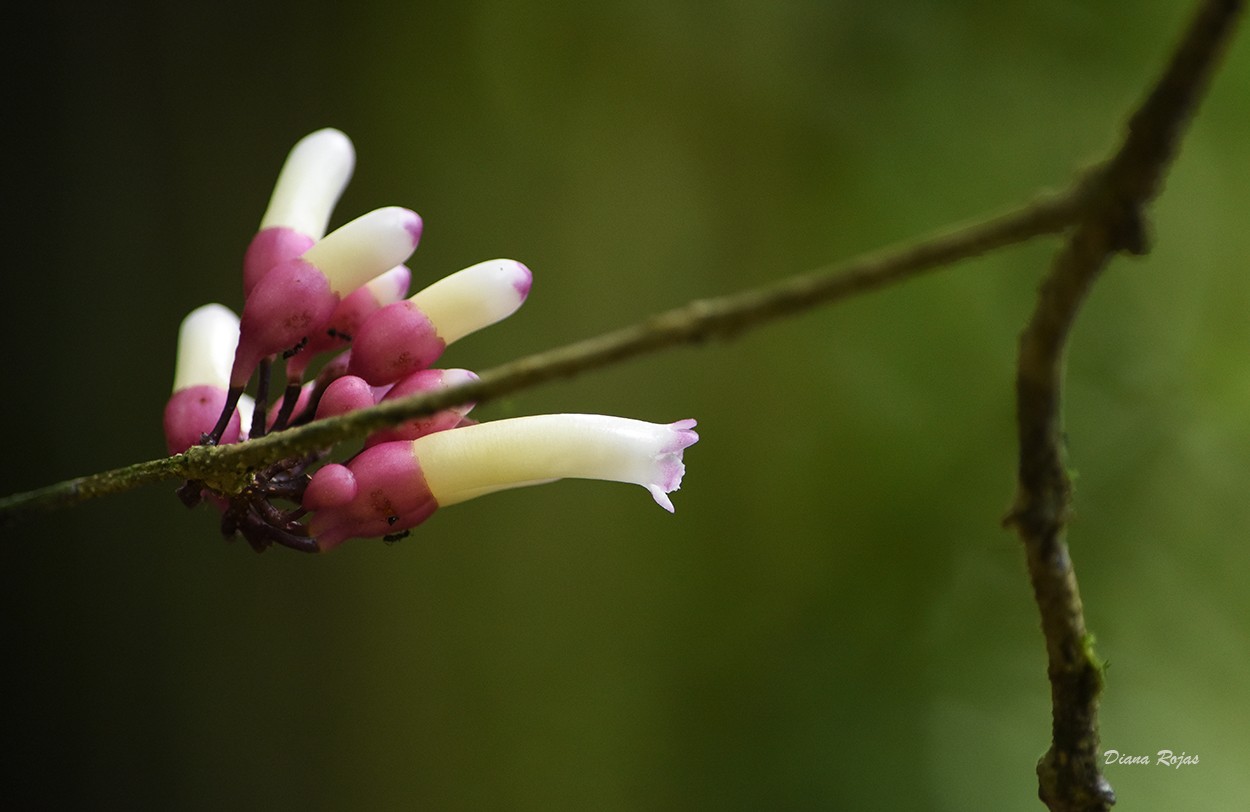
<point x="414" y="227"/>
<point x="524" y="281"/>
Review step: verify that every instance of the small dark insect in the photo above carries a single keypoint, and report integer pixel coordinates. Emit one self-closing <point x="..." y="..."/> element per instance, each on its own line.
<point x="294" y="350"/>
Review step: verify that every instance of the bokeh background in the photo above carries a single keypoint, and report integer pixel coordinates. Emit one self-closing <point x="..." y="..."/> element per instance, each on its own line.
<point x="833" y="619"/>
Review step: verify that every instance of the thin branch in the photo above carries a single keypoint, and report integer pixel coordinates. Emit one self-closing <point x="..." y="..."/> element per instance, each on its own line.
<point x="227" y="468"/>
<point x="1069" y="774"/>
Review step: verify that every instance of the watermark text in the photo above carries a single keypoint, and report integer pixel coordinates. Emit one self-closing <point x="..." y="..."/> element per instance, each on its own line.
<point x="1163" y="758"/>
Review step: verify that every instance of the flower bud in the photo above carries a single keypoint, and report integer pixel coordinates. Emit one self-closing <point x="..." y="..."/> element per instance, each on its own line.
<point x="297" y="298"/>
<point x="310" y="183"/>
<point x="408" y="336"/>
<point x="426" y="380"/>
<point x="206" y="342"/>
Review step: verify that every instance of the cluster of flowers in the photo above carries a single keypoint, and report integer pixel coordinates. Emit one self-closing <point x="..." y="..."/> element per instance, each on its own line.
<point x="344" y="295"/>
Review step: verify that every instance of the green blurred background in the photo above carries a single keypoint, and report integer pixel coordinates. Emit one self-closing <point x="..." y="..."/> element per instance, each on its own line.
<point x="833" y="619"/>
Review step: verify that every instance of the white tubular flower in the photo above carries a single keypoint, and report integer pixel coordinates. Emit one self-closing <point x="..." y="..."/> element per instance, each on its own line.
<point x="408" y="336"/>
<point x="391" y="487"/>
<point x="475" y="460"/>
<point x="476" y="297"/>
<point x="311" y="181"/>
<point x="308" y="187"/>
<point x="206" y="342"/>
<point x="366" y="247"/>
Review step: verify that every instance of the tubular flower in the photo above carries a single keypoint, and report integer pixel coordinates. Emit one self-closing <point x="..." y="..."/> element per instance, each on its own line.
<point x="339" y="299"/>
<point x="407" y="336"/>
<point x="297" y="298"/>
<point x="206" y="342"/>
<point x="295" y="280"/>
<point x="394" y="486"/>
<point x="311" y="181"/>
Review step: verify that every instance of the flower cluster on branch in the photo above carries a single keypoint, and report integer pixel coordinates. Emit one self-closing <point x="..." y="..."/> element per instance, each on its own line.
<point x="343" y="297"/>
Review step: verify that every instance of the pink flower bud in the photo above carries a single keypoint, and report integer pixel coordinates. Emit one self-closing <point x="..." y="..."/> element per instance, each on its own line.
<point x="332" y="486"/>
<point x="346" y="394"/>
<point x="426" y="380"/>
<point x="408" y="336"/>
<point x="313" y="177"/>
<point x="296" y="299"/>
<point x="206" y="341"/>
<point x="382" y="492"/>
<point x="382" y="290"/>
<point x="191" y="413"/>
<point x="292" y="300"/>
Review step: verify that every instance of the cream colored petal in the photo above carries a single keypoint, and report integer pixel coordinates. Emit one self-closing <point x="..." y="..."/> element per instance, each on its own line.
<point x="476" y="297"/>
<point x="310" y="183"/>
<point x="470" y="461"/>
<point x="206" y="343"/>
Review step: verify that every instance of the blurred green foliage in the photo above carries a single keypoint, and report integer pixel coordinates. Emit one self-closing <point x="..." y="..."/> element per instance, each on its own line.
<point x="833" y="618"/>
